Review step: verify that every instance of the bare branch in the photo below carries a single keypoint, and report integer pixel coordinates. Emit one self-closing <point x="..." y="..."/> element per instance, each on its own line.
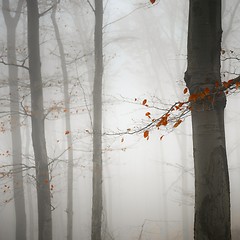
<point x="49" y="9"/>
<point x="91" y="6"/>
<point x="16" y="65"/>
<point x="125" y="16"/>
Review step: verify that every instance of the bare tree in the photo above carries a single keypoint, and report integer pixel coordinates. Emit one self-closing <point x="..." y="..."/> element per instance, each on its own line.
<point x="19" y="201"/>
<point x="97" y="124"/>
<point x="37" y="117"/>
<point x="67" y="122"/>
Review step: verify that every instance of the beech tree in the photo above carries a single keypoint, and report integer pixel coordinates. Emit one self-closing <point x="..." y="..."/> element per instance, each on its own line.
<point x="206" y="102"/>
<point x="212" y="196"/>
<point x="37" y="119"/>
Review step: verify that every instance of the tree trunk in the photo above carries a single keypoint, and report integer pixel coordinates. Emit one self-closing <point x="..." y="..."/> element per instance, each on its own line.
<point x="212" y="197"/>
<point x="68" y="125"/>
<point x="18" y="191"/>
<point x="37" y="117"/>
<point x="97" y="125"/>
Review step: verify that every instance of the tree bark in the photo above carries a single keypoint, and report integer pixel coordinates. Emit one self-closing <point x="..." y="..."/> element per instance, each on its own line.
<point x="212" y="197"/>
<point x="68" y="124"/>
<point x="97" y="125"/>
<point x="37" y="117"/>
<point x="18" y="190"/>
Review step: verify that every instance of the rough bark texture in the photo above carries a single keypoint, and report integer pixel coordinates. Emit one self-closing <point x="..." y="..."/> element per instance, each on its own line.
<point x="19" y="200"/>
<point x="68" y="125"/>
<point x="212" y="197"/>
<point x="97" y="125"/>
<point x="37" y="117"/>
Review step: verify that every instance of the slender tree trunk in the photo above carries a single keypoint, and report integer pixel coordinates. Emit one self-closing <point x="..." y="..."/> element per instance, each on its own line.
<point x="19" y="200"/>
<point x="212" y="197"/>
<point x="68" y="125"/>
<point x="97" y="125"/>
<point x="37" y="117"/>
<point x="30" y="224"/>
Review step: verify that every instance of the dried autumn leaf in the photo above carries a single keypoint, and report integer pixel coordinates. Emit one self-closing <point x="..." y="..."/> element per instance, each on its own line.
<point x="152" y="1"/>
<point x="67" y="132"/>
<point x="144" y="102"/>
<point x="148" y="114"/>
<point x="230" y="82"/>
<point x="161" y="137"/>
<point x="226" y="84"/>
<point x="146" y="134"/>
<point x="207" y="91"/>
<point x="193" y="97"/>
<point x="185" y="90"/>
<point x="122" y="140"/>
<point x="177" y="123"/>
<point x="237" y="85"/>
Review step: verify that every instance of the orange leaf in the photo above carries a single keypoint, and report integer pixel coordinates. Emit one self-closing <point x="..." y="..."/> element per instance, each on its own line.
<point x="230" y="82"/>
<point x="144" y="102"/>
<point x="237" y="85"/>
<point x="148" y="114"/>
<point x="177" y="123"/>
<point x="146" y="134"/>
<point x="207" y="91"/>
<point x="67" y="132"/>
<point x="161" y="137"/>
<point x="193" y="97"/>
<point x="185" y="90"/>
<point x="152" y="1"/>
<point x="226" y="84"/>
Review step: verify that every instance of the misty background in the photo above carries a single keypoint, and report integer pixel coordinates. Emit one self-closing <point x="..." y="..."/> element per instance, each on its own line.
<point x="148" y="185"/>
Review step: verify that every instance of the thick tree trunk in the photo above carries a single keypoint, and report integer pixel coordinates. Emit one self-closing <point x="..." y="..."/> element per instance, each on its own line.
<point x="97" y="125"/>
<point x="68" y="125"/>
<point x="37" y="117"/>
<point x="19" y="200"/>
<point x="212" y="197"/>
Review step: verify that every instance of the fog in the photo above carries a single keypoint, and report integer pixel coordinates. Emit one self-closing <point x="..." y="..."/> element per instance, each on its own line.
<point x="147" y="183"/>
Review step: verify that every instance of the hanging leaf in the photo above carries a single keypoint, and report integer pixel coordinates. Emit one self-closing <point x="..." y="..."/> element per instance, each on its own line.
<point x="185" y="90"/>
<point x="152" y="1"/>
<point x="207" y="91"/>
<point x="67" y="132"/>
<point x="148" y="114"/>
<point x="177" y="123"/>
<point x="237" y="85"/>
<point x="122" y="140"/>
<point x="146" y="134"/>
<point x="144" y="102"/>
<point x="193" y="97"/>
